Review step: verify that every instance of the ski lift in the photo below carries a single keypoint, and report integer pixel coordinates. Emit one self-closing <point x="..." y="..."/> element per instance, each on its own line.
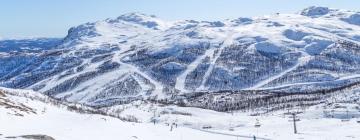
<point x="257" y="124"/>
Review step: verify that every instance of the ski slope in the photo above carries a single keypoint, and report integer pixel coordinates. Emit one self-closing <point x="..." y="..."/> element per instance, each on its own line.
<point x="228" y="41"/>
<point x="36" y="117"/>
<point x="275" y="126"/>
<point x="62" y="124"/>
<point x="305" y="57"/>
<point x="181" y="79"/>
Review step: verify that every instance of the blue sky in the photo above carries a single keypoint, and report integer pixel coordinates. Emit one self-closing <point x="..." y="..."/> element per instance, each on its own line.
<point x="52" y="18"/>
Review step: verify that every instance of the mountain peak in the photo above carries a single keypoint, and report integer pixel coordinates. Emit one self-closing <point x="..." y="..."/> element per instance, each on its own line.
<point x="135" y="16"/>
<point x="314" y="11"/>
<point x="149" y="21"/>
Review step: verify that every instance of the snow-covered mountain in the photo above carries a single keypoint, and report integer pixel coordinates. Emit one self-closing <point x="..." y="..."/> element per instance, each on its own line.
<point x="30" y="45"/>
<point x="137" y="56"/>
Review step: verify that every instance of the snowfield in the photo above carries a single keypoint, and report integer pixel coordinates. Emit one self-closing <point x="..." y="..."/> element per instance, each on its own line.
<point x="191" y="123"/>
<point x="62" y="124"/>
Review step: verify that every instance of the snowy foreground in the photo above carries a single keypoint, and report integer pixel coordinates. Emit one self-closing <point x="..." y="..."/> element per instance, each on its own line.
<point x="33" y="117"/>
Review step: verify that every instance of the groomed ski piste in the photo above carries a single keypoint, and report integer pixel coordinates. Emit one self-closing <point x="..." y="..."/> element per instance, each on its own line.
<point x="25" y="113"/>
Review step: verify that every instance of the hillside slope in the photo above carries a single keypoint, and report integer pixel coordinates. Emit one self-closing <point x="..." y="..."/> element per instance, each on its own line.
<point x="137" y="56"/>
<point x="26" y="114"/>
<point x="29" y="115"/>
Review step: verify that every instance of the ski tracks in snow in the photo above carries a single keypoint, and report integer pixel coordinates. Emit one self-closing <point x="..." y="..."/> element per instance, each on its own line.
<point x="305" y="58"/>
<point x="180" y="80"/>
<point x="213" y="55"/>
<point x="228" y="41"/>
